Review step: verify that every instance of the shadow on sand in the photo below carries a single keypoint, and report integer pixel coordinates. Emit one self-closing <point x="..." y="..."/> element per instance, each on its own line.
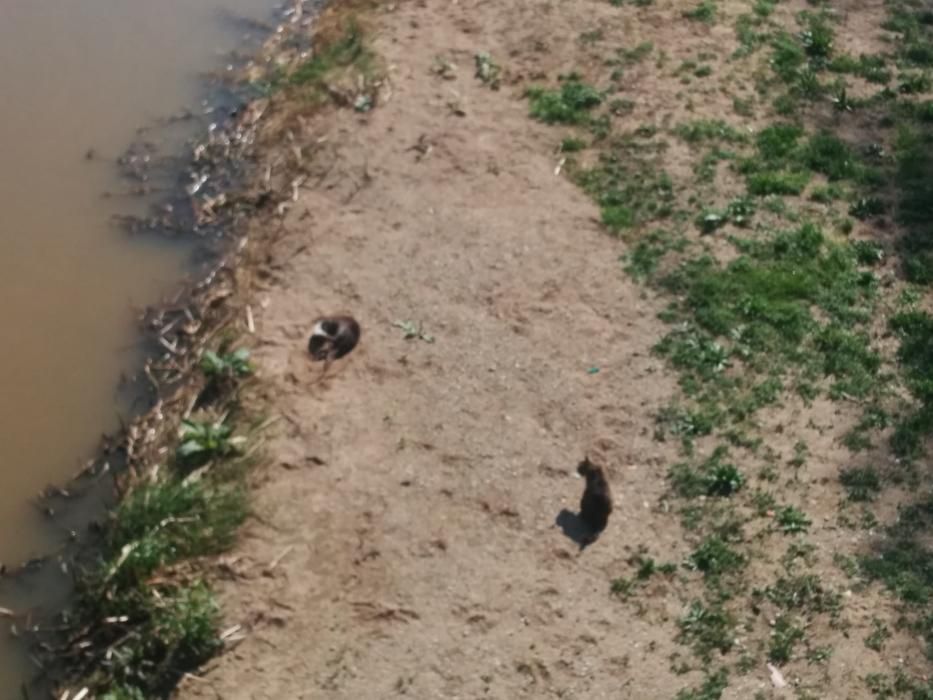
<point x="573" y="527"/>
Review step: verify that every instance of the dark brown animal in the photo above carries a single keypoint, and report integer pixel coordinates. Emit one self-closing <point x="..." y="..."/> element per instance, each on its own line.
<point x="596" y="504"/>
<point x="333" y="337"/>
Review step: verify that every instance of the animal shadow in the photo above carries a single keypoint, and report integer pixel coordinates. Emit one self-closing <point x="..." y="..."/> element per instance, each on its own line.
<point x="575" y="528"/>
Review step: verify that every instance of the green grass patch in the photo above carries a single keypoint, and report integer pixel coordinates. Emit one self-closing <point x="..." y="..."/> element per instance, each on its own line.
<point x="709" y="130"/>
<point x="785" y="635"/>
<point x="861" y="483"/>
<point x="707" y="629"/>
<point x="572" y="103"/>
<point x="791" y="520"/>
<point x="716" y="557"/>
<point x="163" y="522"/>
<point x="572" y="145"/>
<point x="804" y="593"/>
<point x="703" y="12"/>
<point x="712" y="687"/>
<point x="346" y="54"/>
<point x="650" y="250"/>
<point x="628" y="187"/>
<point x="712" y="477"/>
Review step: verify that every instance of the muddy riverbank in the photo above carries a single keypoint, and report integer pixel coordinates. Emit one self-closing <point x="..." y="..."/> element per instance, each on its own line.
<point x="106" y="76"/>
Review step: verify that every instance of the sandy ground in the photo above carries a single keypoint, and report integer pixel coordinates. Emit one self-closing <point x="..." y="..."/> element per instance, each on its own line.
<point x="411" y="528"/>
<point x="415" y="496"/>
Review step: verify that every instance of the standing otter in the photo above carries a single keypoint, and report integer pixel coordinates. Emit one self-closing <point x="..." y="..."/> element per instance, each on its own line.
<point x="333" y="337"/>
<point x="596" y="504"/>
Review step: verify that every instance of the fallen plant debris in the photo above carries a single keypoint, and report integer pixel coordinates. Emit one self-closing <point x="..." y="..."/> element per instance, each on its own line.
<point x="413" y="330"/>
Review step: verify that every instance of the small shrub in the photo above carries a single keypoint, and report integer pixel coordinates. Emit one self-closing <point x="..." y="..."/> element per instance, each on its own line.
<point x="487" y="70"/>
<point x="715" y="557"/>
<point x="829" y="155"/>
<point x="571" y="104"/>
<point x="572" y="145"/>
<point x="704" y="12"/>
<point x="348" y="51"/>
<point x="867" y="207"/>
<point x="741" y="211"/>
<point x="788" y="57"/>
<point x="204" y="440"/>
<point x="158" y="524"/>
<point x="712" y="688"/>
<point x="791" y="520"/>
<point x="709" y="220"/>
<point x="817" y="38"/>
<point x="778" y="141"/>
<point x="804" y="593"/>
<point x="784" y="637"/>
<point x="707" y="629"/>
<point x="914" y="83"/>
<point x="231" y="364"/>
<point x="778" y="182"/>
<point x="124" y="692"/>
<point x="861" y="483"/>
<point x="879" y="635"/>
<point x="707" y="130"/>
<point x="723" y="480"/>
<point x="868" y="252"/>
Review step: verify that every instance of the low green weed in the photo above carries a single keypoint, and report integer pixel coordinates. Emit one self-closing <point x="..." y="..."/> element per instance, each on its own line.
<point x="572" y="103"/>
<point x="707" y="629"/>
<point x="704" y="12"/>
<point x="201" y="441"/>
<point x="791" y="520"/>
<point x="861" y="483"/>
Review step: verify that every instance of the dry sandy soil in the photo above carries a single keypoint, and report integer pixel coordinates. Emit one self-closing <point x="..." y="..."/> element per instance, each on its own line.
<point x="415" y="495"/>
<point x="411" y="529"/>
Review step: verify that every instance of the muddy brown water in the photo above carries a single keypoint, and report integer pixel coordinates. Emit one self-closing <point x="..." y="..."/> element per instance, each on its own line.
<point x="77" y="76"/>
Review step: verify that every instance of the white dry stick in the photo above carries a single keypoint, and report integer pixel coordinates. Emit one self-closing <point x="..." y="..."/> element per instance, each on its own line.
<point x="777" y="678"/>
<point x="560" y="166"/>
<point x="250" y="326"/>
<point x="227" y="633"/>
<point x="278" y="559"/>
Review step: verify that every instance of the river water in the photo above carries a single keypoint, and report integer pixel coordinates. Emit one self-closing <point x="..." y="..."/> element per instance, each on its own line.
<point x="80" y="75"/>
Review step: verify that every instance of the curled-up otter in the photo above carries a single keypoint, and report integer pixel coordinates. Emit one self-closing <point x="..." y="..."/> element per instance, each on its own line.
<point x="596" y="504"/>
<point x="332" y="337"/>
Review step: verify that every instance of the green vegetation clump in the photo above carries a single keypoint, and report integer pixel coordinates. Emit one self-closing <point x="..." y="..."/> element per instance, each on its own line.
<point x="715" y="557"/>
<point x="804" y="593"/>
<point x="791" y="520"/>
<point x="571" y="104"/>
<point x="707" y="628"/>
<point x="712" y="688"/>
<point x="762" y="301"/>
<point x="704" y="130"/>
<point x="645" y="258"/>
<point x="231" y="365"/>
<point x="347" y="53"/>
<point x="712" y="477"/>
<point x="627" y="187"/>
<point x="703" y="12"/>
<point x="861" y="483"/>
<point x="202" y="441"/>
<point x="139" y="624"/>
<point x="572" y="145"/>
<point x="167" y="521"/>
<point x="784" y="638"/>
<point x="914" y="157"/>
